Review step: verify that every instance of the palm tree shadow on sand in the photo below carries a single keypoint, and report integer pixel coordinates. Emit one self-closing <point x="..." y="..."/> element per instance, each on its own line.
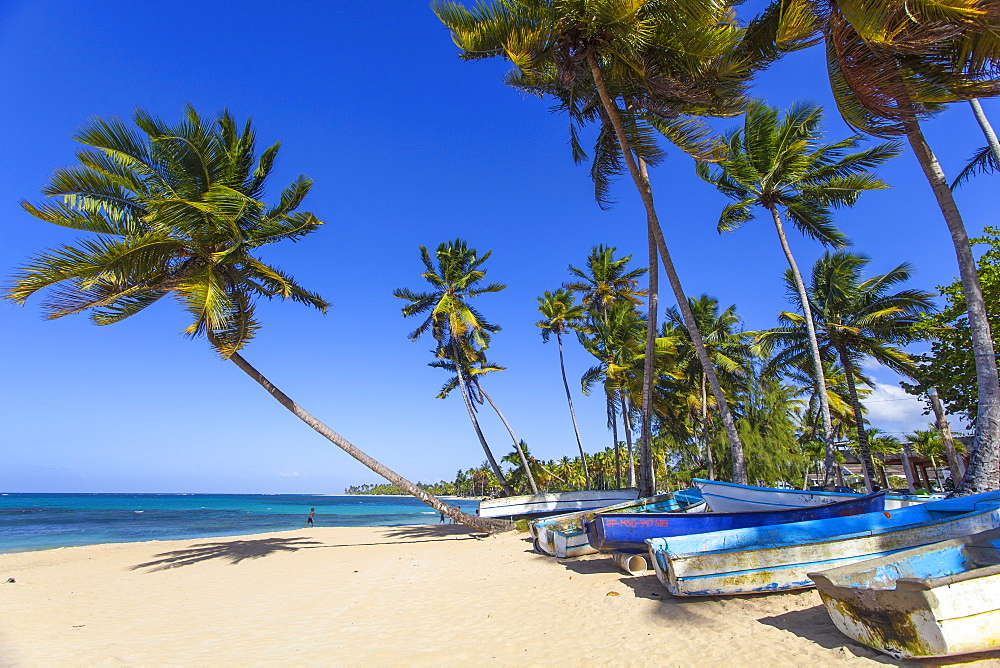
<point x="234" y="551"/>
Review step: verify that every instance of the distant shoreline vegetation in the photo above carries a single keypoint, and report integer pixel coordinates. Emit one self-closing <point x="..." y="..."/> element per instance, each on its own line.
<point x="441" y="488"/>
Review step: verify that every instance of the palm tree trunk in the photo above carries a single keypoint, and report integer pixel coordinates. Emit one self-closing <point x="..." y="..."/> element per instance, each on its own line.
<point x="477" y="523"/>
<point x="864" y="450"/>
<point x="646" y="193"/>
<point x="704" y="430"/>
<point x="955" y="463"/>
<point x="613" y="421"/>
<point x="627" y="423"/>
<point x="818" y="376"/>
<point x="572" y="413"/>
<point x="475" y="422"/>
<point x="981" y="475"/>
<point x="517" y="443"/>
<point x="646" y="473"/>
<point x="984" y="123"/>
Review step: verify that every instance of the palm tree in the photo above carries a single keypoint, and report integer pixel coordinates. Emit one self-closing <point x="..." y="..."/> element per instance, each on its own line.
<point x="605" y="285"/>
<point x="616" y="341"/>
<point x="928" y="443"/>
<point x="890" y="65"/>
<point x="727" y="348"/>
<point x="653" y="64"/>
<point x="605" y="282"/>
<point x="177" y="212"/>
<point x="562" y="315"/>
<point x="781" y="165"/>
<point x="460" y="330"/>
<point x="855" y="319"/>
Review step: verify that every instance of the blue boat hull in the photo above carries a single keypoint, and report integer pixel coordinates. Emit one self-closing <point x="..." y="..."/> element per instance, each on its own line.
<point x="620" y="533"/>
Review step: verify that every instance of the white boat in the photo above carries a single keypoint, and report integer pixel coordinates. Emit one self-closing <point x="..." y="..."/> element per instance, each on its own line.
<point x="536" y="505"/>
<point x="565" y="535"/>
<point x="728" y="497"/>
<point x="937" y="600"/>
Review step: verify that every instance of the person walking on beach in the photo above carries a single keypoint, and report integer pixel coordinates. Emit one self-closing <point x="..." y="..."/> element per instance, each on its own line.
<point x="310" y="521"/>
<point x="441" y="521"/>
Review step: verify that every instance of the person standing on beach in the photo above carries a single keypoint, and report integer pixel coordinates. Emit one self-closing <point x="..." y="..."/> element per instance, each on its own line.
<point x="310" y="521"/>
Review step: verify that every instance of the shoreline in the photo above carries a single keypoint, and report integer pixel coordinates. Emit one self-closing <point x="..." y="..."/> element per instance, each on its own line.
<point x="385" y="596"/>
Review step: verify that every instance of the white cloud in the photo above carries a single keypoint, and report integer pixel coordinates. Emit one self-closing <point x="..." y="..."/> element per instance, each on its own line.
<point x="293" y="474"/>
<point x="891" y="409"/>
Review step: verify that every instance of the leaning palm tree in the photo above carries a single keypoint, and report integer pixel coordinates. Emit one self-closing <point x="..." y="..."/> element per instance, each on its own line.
<point x="459" y="329"/>
<point x="658" y="63"/>
<point x="562" y="315"/>
<point x="176" y="211"/>
<point x="855" y="319"/>
<point x="892" y="64"/>
<point x="781" y="165"/>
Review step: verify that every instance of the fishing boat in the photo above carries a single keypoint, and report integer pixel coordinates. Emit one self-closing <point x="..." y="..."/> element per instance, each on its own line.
<point x="936" y="600"/>
<point x="779" y="557"/>
<point x="728" y="497"/>
<point x="537" y="505"/>
<point x="564" y="535"/>
<point x="616" y="532"/>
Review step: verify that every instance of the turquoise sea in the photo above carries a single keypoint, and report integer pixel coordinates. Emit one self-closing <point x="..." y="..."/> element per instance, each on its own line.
<point x="43" y="521"/>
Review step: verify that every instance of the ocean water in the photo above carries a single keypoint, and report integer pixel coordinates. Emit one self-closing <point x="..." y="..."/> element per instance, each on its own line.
<point x="43" y="521"/>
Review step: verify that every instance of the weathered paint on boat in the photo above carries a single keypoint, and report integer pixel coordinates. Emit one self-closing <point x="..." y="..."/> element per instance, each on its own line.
<point x="615" y="532"/>
<point x="774" y="558"/>
<point x="553" y="503"/>
<point x="564" y="535"/>
<point x="937" y="600"/>
<point x="728" y="497"/>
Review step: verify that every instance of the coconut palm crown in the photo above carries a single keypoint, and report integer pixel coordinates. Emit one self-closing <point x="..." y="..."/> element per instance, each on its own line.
<point x="177" y="211"/>
<point x="781" y="162"/>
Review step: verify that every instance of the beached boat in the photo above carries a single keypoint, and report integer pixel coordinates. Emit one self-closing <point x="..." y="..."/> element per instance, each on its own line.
<point x="565" y="536"/>
<point x="537" y="505"/>
<point x="615" y="532"/>
<point x="728" y="497"/>
<point x="779" y="557"/>
<point x="936" y="600"/>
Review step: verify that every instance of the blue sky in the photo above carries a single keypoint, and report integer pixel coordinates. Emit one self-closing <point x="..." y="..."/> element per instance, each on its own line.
<point x="407" y="146"/>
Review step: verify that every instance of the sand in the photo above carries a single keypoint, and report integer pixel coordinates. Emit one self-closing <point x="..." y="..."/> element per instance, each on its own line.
<point x="403" y="596"/>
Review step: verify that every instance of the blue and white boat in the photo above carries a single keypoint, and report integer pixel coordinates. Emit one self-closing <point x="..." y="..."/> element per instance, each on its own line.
<point x="779" y="557"/>
<point x="538" y="505"/>
<point x="564" y="535"/>
<point x="728" y="497"/>
<point x="937" y="600"/>
<point x="615" y="532"/>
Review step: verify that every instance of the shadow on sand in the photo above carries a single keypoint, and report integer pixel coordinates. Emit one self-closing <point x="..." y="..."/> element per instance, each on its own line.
<point x="814" y="624"/>
<point x="433" y="531"/>
<point x="236" y="551"/>
<point x="233" y="551"/>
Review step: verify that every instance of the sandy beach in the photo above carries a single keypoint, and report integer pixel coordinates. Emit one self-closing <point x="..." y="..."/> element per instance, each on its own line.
<point x="423" y="595"/>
